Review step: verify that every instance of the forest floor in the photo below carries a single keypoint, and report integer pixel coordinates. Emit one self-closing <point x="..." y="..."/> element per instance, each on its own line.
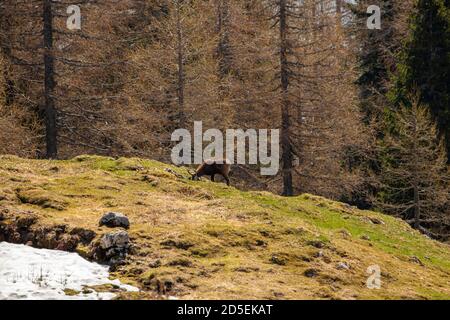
<point x="204" y="240"/>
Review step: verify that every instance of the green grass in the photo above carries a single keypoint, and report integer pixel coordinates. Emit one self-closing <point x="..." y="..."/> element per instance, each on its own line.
<point x="204" y="240"/>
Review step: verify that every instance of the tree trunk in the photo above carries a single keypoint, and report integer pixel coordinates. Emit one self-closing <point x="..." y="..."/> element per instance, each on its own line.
<point x="415" y="172"/>
<point x="9" y="84"/>
<point x="6" y="51"/>
<point x="285" y="117"/>
<point x="49" y="82"/>
<point x="416" y="207"/>
<point x="180" y="54"/>
<point x="223" y="48"/>
<point x="339" y="7"/>
<point x="339" y="13"/>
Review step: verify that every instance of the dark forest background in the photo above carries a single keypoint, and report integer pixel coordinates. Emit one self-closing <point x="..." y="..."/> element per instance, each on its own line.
<point x="364" y="114"/>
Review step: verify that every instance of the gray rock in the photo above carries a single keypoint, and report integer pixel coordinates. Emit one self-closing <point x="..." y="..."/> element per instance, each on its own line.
<point x="119" y="240"/>
<point x="174" y="173"/>
<point x="343" y="266"/>
<point x="416" y="260"/>
<point x="114" y="219"/>
<point x="318" y="254"/>
<point x="316" y="244"/>
<point x="376" y="221"/>
<point x="311" y="273"/>
<point x="278" y="260"/>
<point x="345" y="234"/>
<point x="113" y="247"/>
<point x="155" y="264"/>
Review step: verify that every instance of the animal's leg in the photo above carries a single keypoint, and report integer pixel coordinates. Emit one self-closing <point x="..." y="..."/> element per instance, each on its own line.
<point x="227" y="179"/>
<point x="212" y="178"/>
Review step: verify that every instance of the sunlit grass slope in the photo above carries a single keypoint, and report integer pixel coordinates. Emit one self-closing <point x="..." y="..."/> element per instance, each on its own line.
<point x="204" y="240"/>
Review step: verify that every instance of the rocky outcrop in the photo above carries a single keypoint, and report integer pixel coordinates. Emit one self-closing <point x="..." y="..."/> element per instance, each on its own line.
<point x="86" y="236"/>
<point x="112" y="248"/>
<point x="22" y="228"/>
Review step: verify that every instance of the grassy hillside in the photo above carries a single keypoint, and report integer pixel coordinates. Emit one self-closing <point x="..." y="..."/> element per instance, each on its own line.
<point x="203" y="240"/>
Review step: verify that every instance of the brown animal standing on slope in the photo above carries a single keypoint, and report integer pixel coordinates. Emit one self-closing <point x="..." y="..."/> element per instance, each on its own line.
<point x="213" y="167"/>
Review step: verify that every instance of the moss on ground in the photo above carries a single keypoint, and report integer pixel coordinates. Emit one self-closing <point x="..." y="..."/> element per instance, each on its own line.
<point x="204" y="240"/>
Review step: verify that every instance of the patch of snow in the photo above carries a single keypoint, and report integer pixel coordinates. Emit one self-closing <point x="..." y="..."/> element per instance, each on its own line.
<point x="39" y="274"/>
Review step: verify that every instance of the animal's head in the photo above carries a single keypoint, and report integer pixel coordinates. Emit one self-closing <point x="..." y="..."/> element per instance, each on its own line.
<point x="194" y="175"/>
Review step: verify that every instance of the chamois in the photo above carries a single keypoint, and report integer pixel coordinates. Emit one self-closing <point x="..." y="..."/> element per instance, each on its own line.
<point x="211" y="168"/>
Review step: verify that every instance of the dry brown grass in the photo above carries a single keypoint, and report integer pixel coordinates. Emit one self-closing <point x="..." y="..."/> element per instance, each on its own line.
<point x="203" y="240"/>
